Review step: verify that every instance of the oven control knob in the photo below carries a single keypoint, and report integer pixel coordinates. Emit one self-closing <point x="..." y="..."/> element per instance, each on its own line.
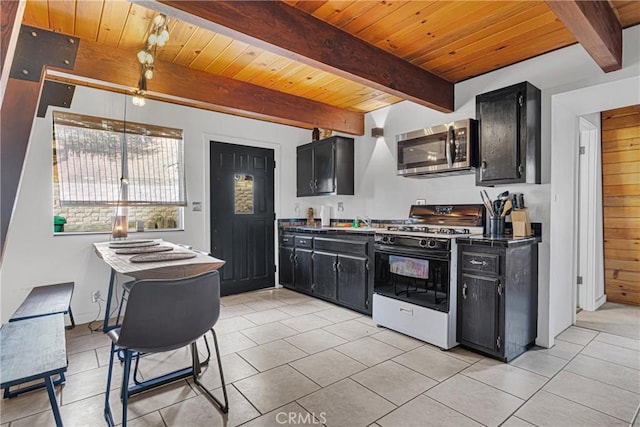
<point x="385" y="239"/>
<point x="392" y="240"/>
<point x="423" y="243"/>
<point x="431" y="244"/>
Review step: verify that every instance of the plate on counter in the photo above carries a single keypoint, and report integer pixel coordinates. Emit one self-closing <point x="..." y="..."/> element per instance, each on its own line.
<point x="132" y="244"/>
<point x="163" y="256"/>
<point x="143" y="250"/>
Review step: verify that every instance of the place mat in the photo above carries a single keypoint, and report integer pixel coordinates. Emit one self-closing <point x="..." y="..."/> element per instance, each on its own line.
<point x="133" y="245"/>
<point x="166" y="256"/>
<point x="143" y="250"/>
<point x="131" y="241"/>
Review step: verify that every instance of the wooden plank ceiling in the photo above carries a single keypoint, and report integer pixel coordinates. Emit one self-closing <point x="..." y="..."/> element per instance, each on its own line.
<point x="455" y="40"/>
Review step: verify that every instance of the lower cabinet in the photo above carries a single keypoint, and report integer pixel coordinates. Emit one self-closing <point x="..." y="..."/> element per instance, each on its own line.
<point x="497" y="310"/>
<point x="333" y="268"/>
<point x="325" y="274"/>
<point x="285" y="261"/>
<point x="353" y="272"/>
<point x="480" y="312"/>
<point x="303" y="274"/>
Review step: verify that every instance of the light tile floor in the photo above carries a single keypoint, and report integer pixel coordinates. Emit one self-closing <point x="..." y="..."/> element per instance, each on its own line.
<point x="293" y="360"/>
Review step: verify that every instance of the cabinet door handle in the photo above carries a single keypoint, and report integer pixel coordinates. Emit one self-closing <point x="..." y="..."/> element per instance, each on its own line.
<point x="315" y="184"/>
<point x="484" y="164"/>
<point x="291" y="257"/>
<point x="335" y="266"/>
<point x="339" y="266"/>
<point x="295" y="259"/>
<point x="474" y="262"/>
<point x="464" y="291"/>
<point x="500" y="289"/>
<point x="311" y="184"/>
<point x="498" y="343"/>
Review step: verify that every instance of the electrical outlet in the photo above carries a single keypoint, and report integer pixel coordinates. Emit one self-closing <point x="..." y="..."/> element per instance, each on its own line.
<point x="95" y="296"/>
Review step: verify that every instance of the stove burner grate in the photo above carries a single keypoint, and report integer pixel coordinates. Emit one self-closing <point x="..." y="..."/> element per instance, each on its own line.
<point x="426" y="229"/>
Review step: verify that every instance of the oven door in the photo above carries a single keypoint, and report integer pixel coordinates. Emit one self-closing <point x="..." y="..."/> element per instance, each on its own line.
<point x="415" y="276"/>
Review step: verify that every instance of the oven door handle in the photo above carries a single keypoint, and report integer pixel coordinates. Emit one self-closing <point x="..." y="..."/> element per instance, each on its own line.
<point x="464" y="291"/>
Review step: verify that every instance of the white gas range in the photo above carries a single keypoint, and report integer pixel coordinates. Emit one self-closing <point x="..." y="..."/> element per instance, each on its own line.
<point x="416" y="271"/>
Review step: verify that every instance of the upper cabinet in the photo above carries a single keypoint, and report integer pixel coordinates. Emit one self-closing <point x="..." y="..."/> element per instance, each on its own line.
<point x="325" y="167"/>
<point x="509" y="135"/>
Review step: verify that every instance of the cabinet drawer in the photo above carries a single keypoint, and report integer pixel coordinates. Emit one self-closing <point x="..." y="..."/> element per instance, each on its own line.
<point x="479" y="262"/>
<point x="287" y="240"/>
<point x="304" y="242"/>
<point x="341" y="246"/>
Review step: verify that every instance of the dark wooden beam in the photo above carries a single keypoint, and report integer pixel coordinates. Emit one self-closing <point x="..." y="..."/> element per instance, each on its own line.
<point x="287" y="31"/>
<point x="17" y="113"/>
<point x="180" y="85"/>
<point x="595" y="25"/>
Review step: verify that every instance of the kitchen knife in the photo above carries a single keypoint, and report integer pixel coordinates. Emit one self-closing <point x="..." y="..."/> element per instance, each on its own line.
<point x="521" y="201"/>
<point x="507" y="208"/>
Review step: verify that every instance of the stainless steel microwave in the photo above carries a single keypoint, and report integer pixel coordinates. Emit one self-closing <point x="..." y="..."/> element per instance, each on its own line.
<point x="443" y="149"/>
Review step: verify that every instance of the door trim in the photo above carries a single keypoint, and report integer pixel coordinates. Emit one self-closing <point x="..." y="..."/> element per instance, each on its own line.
<point x="224" y="138"/>
<point x="589" y="240"/>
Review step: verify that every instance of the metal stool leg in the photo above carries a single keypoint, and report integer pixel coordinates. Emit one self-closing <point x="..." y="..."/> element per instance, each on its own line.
<point x="194" y="357"/>
<point x="54" y="402"/>
<point x="73" y="322"/>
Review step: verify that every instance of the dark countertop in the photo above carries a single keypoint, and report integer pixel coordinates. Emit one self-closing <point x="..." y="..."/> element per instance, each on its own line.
<point x="330" y="230"/>
<point x="500" y="241"/>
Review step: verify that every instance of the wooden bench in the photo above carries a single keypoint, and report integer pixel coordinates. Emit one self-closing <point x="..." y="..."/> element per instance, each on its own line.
<point x="34" y="349"/>
<point x="46" y="300"/>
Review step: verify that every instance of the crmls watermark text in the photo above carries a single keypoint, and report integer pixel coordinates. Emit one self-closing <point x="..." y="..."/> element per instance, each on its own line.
<point x="300" y="418"/>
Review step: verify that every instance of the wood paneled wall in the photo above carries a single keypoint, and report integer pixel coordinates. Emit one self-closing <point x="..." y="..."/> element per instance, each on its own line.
<point x="621" y="203"/>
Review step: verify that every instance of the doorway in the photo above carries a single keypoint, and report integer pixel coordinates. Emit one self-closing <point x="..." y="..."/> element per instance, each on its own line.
<point x="242" y="216"/>
<point x="621" y="191"/>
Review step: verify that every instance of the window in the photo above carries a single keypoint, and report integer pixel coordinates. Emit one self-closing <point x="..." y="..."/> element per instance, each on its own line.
<point x="101" y="164"/>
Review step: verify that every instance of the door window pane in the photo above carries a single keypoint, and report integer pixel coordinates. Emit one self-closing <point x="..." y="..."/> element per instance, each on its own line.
<point x="243" y="193"/>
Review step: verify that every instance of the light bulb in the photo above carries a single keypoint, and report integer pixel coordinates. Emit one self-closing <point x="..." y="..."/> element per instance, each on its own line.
<point x="142" y="56"/>
<point x="149" y="58"/>
<point x="161" y="41"/>
<point x="149" y="73"/>
<point x="164" y="35"/>
<point x="138" y="101"/>
<point x="159" y="20"/>
<point x="153" y="39"/>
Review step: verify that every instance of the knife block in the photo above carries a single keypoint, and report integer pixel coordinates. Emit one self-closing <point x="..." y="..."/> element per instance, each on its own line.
<point x="520" y="223"/>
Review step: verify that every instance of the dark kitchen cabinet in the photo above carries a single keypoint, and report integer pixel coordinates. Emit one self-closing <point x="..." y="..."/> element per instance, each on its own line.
<point x="353" y="272"/>
<point x="497" y="297"/>
<point x="325" y="282"/>
<point x="509" y="135"/>
<point x="303" y="269"/>
<point x="325" y="167"/>
<point x="334" y="268"/>
<point x="302" y="263"/>
<point x="285" y="261"/>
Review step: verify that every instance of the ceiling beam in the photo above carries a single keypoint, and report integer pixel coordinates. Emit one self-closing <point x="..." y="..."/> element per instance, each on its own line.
<point x="177" y="84"/>
<point x="289" y="32"/>
<point x="595" y="25"/>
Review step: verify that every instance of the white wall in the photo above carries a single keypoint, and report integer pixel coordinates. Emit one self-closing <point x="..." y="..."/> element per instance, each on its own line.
<point x="382" y="194"/>
<point x="34" y="256"/>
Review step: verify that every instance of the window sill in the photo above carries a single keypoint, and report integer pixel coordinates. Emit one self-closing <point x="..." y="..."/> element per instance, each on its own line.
<point x="87" y="233"/>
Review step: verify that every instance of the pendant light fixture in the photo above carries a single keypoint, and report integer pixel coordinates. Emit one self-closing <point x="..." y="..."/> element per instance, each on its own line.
<point x="158" y="37"/>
